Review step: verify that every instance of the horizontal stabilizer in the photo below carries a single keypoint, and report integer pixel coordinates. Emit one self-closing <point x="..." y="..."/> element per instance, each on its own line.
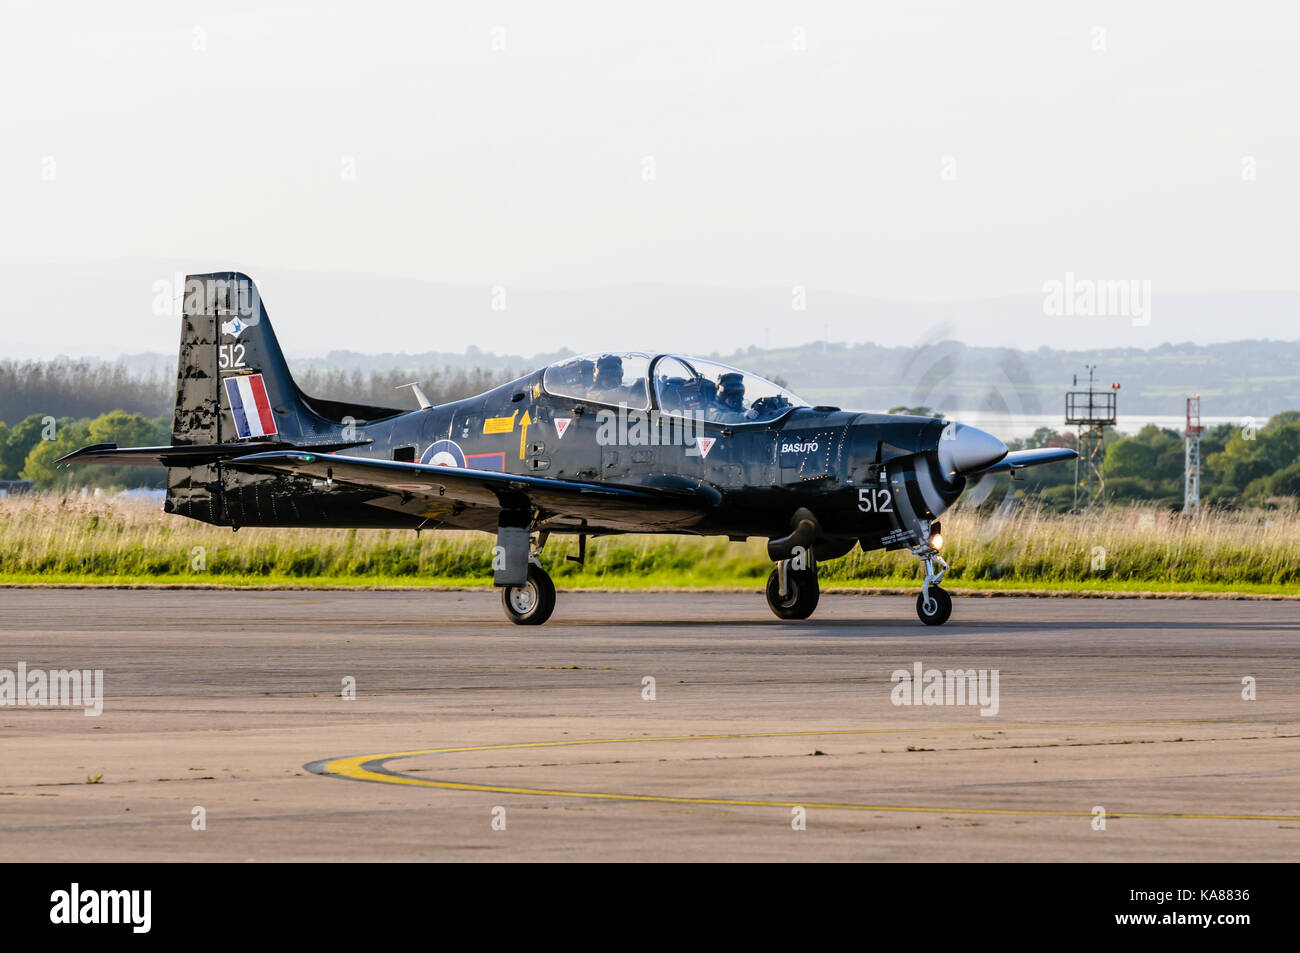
<point x="193" y="455"/>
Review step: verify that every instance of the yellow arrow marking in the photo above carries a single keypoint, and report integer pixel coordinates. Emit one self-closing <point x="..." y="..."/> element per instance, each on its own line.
<point x="523" y="434"/>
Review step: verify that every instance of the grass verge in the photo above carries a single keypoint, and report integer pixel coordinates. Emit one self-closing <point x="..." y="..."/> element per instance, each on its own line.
<point x="71" y="541"/>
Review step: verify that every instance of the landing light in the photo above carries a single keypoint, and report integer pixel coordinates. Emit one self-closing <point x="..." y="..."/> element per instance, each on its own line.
<point x="937" y="540"/>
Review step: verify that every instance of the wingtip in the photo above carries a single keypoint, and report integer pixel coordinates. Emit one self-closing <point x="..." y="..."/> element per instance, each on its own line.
<point x="84" y="452"/>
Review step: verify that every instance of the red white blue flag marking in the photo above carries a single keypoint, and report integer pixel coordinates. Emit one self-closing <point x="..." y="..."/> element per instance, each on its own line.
<point x="250" y="406"/>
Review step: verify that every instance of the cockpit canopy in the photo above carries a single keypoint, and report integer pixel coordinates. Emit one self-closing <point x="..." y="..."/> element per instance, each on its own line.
<point x="683" y="386"/>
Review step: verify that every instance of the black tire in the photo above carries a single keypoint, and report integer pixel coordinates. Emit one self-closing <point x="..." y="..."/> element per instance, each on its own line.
<point x="533" y="602"/>
<point x="941" y="608"/>
<point x="800" y="600"/>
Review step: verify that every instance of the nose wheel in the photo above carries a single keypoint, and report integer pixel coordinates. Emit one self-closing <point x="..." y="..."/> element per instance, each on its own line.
<point x="794" y="596"/>
<point x="933" y="605"/>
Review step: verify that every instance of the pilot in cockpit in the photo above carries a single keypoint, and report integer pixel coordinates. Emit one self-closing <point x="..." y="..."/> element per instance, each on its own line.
<point x="609" y="372"/>
<point x="608" y="385"/>
<point x="730" y="402"/>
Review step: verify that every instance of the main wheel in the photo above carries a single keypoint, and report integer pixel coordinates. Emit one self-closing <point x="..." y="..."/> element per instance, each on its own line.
<point x="533" y="602"/>
<point x="801" y="593"/>
<point x="936" y="610"/>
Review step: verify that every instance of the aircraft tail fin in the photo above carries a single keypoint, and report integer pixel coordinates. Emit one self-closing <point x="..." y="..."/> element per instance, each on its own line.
<point x="233" y="382"/>
<point x="233" y="385"/>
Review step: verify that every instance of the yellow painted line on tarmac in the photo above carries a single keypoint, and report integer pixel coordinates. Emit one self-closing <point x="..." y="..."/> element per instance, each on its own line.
<point x="363" y="768"/>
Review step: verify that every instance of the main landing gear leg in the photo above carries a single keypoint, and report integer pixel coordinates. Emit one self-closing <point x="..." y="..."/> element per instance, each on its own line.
<point x="933" y="605"/>
<point x="529" y="596"/>
<point x="792" y="593"/>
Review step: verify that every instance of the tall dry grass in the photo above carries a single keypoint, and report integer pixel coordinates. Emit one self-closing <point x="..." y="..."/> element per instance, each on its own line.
<point x="49" y="536"/>
<point x="1119" y="543"/>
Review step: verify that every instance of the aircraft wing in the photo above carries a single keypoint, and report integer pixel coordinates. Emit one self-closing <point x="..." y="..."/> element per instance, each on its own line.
<point x="445" y="489"/>
<point x="1020" y="459"/>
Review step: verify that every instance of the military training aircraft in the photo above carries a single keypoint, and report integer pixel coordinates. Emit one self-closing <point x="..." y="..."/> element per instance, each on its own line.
<point x="601" y="444"/>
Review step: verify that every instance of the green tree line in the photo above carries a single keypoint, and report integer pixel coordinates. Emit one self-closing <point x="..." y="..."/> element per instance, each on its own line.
<point x="1240" y="466"/>
<point x="28" y="449"/>
<point x="81" y="390"/>
<point x="55" y="393"/>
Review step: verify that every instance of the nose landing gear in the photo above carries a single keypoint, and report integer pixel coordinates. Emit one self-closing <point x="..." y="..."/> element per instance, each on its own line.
<point x="792" y="593"/>
<point x="933" y="605"/>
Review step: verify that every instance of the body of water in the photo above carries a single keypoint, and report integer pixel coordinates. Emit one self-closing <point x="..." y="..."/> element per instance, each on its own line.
<point x="1016" y="426"/>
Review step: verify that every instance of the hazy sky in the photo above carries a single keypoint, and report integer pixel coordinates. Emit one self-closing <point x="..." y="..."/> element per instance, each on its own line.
<point x="914" y="151"/>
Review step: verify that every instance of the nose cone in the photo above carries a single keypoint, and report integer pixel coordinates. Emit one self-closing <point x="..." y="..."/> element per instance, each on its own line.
<point x="965" y="449"/>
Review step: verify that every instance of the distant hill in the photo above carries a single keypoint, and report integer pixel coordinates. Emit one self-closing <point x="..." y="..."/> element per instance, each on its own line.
<point x="1244" y="378"/>
<point x="105" y="308"/>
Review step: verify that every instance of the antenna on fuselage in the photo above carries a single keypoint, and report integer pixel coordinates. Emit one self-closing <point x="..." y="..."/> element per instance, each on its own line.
<point x="420" y="396"/>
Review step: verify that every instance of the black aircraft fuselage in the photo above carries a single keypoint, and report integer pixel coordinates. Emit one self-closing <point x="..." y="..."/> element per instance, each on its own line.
<point x="757" y="474"/>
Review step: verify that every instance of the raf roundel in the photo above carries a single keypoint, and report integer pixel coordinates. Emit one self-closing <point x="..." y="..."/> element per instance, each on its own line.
<point x="444" y="453"/>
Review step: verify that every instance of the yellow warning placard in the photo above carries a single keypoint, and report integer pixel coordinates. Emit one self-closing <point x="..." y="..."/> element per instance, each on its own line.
<point x="500" y="424"/>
